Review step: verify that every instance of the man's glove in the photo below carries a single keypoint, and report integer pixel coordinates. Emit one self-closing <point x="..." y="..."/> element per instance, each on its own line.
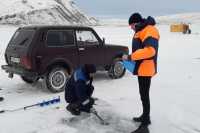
<point x="92" y="101"/>
<point x="93" y="110"/>
<point x="87" y="105"/>
<point x="126" y="57"/>
<point x="89" y="102"/>
<point x="91" y="87"/>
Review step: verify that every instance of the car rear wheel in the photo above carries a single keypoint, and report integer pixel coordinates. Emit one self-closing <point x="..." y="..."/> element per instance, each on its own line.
<point x="116" y="70"/>
<point x="29" y="80"/>
<point x="56" y="79"/>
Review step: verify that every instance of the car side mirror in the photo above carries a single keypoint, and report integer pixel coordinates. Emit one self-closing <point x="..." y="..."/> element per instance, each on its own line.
<point x="103" y="40"/>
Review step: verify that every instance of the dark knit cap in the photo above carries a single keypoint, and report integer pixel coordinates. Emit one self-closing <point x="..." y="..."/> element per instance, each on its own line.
<point x="90" y="68"/>
<point x="135" y="18"/>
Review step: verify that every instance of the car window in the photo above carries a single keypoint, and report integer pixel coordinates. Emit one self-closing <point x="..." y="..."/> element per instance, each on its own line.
<point x="60" y="38"/>
<point x="86" y="38"/>
<point x="68" y="37"/>
<point x="22" y="37"/>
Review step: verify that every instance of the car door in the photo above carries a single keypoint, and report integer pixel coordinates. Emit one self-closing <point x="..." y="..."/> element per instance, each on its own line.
<point x="59" y="46"/>
<point x="91" y="51"/>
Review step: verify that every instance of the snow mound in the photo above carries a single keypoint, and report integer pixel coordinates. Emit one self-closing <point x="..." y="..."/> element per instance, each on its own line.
<point x="192" y="18"/>
<point x="114" y="22"/>
<point x="26" y="12"/>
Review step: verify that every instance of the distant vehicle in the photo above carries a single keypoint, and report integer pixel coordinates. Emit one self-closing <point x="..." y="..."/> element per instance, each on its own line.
<point x="53" y="52"/>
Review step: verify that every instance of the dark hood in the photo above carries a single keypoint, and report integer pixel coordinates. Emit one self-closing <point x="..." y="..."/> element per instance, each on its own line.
<point x="145" y="22"/>
<point x="150" y="21"/>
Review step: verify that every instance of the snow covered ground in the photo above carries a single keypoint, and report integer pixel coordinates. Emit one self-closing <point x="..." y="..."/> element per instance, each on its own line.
<point x="175" y="92"/>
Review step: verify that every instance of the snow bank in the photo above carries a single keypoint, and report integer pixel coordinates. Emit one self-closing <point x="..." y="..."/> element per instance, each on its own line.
<point x="191" y="18"/>
<point x="19" y="12"/>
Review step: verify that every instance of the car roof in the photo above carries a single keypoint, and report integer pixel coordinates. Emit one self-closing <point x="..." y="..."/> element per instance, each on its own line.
<point x="55" y="27"/>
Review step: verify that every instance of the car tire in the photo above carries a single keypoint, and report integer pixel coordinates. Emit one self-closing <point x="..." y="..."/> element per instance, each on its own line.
<point x="116" y="69"/>
<point x="29" y="80"/>
<point x="56" y="79"/>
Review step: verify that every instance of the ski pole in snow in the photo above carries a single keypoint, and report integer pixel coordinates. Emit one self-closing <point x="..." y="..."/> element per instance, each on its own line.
<point x="41" y="104"/>
<point x="103" y="122"/>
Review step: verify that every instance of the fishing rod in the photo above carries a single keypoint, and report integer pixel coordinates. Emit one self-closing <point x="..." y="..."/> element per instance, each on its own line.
<point x="103" y="122"/>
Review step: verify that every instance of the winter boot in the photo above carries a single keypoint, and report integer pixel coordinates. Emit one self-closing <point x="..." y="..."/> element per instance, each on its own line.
<point x="138" y="119"/>
<point x="1" y="99"/>
<point x="73" y="109"/>
<point x="143" y="120"/>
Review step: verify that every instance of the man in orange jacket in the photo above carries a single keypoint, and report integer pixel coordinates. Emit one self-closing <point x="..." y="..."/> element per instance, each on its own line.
<point x="144" y="53"/>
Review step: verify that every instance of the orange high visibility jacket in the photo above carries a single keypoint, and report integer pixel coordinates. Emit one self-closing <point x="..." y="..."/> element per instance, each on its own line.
<point x="145" y="51"/>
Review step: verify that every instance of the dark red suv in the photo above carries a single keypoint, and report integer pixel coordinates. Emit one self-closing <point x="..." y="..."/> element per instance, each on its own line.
<point x="53" y="52"/>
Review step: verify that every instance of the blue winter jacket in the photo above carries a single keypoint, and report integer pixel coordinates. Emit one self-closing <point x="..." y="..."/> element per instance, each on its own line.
<point x="79" y="87"/>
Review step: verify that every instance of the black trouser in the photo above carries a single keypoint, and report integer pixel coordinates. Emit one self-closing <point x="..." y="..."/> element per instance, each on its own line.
<point x="144" y="87"/>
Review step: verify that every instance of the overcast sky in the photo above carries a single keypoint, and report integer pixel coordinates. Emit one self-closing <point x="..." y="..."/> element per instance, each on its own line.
<point x="123" y="8"/>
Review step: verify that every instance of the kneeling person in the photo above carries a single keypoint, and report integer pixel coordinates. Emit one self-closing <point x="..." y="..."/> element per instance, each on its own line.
<point x="79" y="89"/>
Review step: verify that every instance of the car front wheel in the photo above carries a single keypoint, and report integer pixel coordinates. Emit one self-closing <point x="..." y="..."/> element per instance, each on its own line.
<point x="56" y="79"/>
<point x="116" y="70"/>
